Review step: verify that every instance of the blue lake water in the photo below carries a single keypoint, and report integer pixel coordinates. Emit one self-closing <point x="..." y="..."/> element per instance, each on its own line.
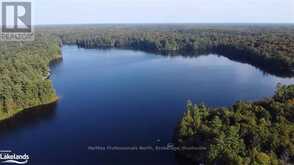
<point x="126" y="98"/>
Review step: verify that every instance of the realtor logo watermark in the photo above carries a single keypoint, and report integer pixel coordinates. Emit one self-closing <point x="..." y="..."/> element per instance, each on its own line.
<point x="16" y="21"/>
<point x="8" y="157"/>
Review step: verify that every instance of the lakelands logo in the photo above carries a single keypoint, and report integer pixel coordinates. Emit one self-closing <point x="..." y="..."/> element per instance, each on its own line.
<point x="16" y="21"/>
<point x="12" y="158"/>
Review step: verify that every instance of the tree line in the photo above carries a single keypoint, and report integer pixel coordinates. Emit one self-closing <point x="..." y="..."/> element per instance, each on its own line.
<point x="269" y="47"/>
<point x="23" y="73"/>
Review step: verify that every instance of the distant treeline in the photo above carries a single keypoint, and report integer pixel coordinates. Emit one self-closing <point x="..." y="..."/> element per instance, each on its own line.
<point x="24" y="69"/>
<point x="269" y="47"/>
<point x="246" y="133"/>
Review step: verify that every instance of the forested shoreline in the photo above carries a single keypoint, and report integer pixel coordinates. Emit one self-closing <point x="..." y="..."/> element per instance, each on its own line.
<point x="246" y="133"/>
<point x="24" y="65"/>
<point x="268" y="47"/>
<point x="24" y="71"/>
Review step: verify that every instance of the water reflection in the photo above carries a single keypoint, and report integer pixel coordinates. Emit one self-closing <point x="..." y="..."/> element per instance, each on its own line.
<point x="267" y="67"/>
<point x="55" y="62"/>
<point x="32" y="117"/>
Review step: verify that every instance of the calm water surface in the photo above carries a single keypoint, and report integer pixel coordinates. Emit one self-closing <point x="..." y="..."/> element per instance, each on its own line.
<point x="126" y="98"/>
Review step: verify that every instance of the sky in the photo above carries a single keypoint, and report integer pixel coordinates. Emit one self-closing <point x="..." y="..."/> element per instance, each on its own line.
<point x="162" y="11"/>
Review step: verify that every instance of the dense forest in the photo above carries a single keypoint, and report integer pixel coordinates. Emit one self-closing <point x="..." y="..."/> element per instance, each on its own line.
<point x="269" y="47"/>
<point x="24" y="69"/>
<point x="246" y="133"/>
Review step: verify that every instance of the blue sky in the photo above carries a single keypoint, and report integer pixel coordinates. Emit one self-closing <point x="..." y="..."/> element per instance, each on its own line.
<point x="163" y="11"/>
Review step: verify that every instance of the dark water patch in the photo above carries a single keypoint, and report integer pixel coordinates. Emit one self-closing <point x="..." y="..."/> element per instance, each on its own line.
<point x="28" y="118"/>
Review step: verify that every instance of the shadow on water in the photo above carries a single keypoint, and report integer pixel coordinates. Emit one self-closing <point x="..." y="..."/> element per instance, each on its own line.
<point x="28" y="118"/>
<point x="55" y="62"/>
<point x="271" y="66"/>
<point x="181" y="160"/>
<point x="267" y="66"/>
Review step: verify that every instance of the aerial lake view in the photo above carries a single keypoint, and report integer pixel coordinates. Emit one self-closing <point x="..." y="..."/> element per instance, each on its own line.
<point x="127" y="98"/>
<point x="147" y="82"/>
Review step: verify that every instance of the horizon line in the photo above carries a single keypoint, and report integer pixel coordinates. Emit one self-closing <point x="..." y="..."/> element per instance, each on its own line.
<point x="171" y="23"/>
